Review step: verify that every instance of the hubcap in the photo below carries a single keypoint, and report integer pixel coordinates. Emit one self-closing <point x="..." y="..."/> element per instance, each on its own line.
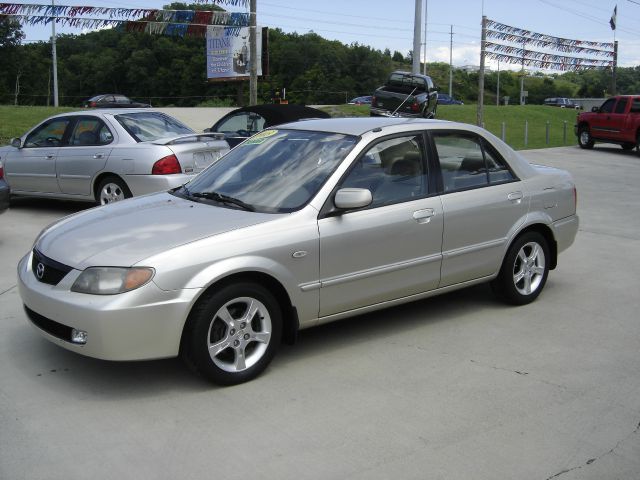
<point x="584" y="137"/>
<point x="110" y="193"/>
<point x="239" y="334"/>
<point x="528" y="269"/>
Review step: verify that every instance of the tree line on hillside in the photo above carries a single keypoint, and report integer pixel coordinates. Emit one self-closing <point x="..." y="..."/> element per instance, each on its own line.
<point x="169" y="71"/>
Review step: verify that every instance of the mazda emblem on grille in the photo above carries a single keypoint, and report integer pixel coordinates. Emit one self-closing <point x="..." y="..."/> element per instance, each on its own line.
<point x="40" y="270"/>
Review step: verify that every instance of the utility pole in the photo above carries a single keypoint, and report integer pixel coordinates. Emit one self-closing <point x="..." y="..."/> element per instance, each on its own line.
<point x="451" y="63"/>
<point x="498" y="87"/>
<point x="253" y="54"/>
<point x="54" y="56"/>
<point x="417" y="30"/>
<point x="483" y="46"/>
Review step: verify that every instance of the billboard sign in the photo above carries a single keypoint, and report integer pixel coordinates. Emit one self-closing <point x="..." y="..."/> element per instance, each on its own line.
<point x="228" y="53"/>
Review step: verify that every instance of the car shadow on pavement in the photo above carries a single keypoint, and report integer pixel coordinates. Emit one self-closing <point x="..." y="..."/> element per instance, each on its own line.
<point x="409" y="319"/>
<point x="49" y="205"/>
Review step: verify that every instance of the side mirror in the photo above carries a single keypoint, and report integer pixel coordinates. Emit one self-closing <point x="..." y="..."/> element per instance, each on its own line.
<point x="16" y="143"/>
<point x="595" y="109"/>
<point x="350" y="198"/>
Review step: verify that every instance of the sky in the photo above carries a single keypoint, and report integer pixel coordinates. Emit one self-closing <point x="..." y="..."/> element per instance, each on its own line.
<point x="389" y="24"/>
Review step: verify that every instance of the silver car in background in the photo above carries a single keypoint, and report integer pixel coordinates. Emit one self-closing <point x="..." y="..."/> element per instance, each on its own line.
<point x="107" y="155"/>
<point x="299" y="225"/>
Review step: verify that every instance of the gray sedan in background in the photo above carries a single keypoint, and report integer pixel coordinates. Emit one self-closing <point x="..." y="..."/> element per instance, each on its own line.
<point x="106" y="155"/>
<point x="299" y="225"/>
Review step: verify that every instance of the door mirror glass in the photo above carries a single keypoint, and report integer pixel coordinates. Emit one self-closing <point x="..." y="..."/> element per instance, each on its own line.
<point x="16" y="143"/>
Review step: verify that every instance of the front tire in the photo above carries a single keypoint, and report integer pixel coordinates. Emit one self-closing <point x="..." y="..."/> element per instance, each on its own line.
<point x="524" y="270"/>
<point x="585" y="140"/>
<point x="233" y="334"/>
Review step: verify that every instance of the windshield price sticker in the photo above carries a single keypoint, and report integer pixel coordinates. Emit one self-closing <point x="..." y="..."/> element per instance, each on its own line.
<point x="259" y="138"/>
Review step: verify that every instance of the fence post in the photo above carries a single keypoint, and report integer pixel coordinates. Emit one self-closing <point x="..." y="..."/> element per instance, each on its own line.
<point x="547" y="132"/>
<point x="504" y="132"/>
<point x="564" y="133"/>
<point x="526" y="133"/>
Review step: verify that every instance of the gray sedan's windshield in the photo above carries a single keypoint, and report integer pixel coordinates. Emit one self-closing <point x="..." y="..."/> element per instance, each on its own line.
<point x="275" y="170"/>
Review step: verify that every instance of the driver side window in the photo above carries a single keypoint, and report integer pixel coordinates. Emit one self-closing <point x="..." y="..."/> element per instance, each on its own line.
<point x="49" y="134"/>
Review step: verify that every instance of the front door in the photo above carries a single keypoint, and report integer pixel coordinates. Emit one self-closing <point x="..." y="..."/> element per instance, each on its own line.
<point x="32" y="168"/>
<point x="390" y="249"/>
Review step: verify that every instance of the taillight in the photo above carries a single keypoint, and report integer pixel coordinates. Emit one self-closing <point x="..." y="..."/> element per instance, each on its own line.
<point x="415" y="107"/>
<point x="374" y="101"/>
<point x="1" y="171"/>
<point x="92" y="104"/>
<point x="166" y="166"/>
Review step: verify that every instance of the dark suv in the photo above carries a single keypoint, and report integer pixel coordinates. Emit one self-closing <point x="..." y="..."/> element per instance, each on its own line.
<point x="561" y="102"/>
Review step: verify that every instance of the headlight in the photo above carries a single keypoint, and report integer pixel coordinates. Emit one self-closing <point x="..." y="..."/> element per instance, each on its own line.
<point x="111" y="280"/>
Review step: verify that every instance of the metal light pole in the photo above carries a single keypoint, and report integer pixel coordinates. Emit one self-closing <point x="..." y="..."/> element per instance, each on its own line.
<point x="451" y="63"/>
<point x="417" y="30"/>
<point x="253" y="54"/>
<point x="54" y="57"/>
<point x="426" y="8"/>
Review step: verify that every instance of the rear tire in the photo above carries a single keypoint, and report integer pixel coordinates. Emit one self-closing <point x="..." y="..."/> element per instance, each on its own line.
<point x="112" y="189"/>
<point x="232" y="334"/>
<point x="524" y="270"/>
<point x="628" y="146"/>
<point x="585" y="140"/>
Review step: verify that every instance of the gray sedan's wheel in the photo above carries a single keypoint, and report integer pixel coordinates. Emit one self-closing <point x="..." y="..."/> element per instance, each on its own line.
<point x="524" y="271"/>
<point x="232" y="334"/>
<point x="585" y="140"/>
<point x="111" y="189"/>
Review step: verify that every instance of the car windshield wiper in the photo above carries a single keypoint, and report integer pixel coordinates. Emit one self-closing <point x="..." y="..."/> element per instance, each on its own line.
<point x="222" y="198"/>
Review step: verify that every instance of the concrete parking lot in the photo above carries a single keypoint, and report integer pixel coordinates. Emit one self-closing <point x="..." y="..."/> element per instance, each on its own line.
<point x="454" y="387"/>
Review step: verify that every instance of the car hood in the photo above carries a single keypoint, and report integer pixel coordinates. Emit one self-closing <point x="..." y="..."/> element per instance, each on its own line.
<point x="125" y="233"/>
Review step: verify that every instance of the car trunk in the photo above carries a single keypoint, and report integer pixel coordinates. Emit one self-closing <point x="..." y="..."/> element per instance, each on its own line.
<point x="196" y="152"/>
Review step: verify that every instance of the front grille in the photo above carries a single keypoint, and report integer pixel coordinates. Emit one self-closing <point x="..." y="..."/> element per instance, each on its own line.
<point x="47" y="270"/>
<point x="51" y="327"/>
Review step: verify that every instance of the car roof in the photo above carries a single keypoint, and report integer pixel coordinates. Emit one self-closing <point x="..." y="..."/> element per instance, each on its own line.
<point x="359" y="125"/>
<point x="275" y="114"/>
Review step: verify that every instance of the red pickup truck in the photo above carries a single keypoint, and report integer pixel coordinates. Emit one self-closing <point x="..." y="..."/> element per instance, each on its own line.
<point x="617" y="120"/>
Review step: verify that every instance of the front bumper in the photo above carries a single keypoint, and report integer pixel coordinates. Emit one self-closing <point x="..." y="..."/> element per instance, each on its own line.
<point x="142" y="324"/>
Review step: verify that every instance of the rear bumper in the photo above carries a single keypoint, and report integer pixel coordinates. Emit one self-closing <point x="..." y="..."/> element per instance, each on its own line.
<point x="565" y="231"/>
<point x="379" y="112"/>
<point x="143" y="184"/>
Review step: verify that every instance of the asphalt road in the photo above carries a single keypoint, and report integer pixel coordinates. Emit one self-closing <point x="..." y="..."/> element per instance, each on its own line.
<point x="454" y="387"/>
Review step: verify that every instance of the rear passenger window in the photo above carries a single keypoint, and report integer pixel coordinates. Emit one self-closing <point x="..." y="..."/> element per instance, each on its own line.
<point x="467" y="161"/>
<point x="621" y="106"/>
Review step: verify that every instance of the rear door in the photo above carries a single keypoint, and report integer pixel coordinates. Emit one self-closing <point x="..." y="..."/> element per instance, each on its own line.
<point x="32" y="168"/>
<point x="483" y="202"/>
<point x="89" y="145"/>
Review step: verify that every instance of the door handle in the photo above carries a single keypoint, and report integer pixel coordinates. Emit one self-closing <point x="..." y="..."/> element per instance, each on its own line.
<point x="50" y="156"/>
<point x="98" y="155"/>
<point x="423" y="216"/>
<point x="515" y="197"/>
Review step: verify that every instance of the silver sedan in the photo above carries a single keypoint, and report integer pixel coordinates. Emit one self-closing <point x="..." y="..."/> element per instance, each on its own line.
<point x="107" y="155"/>
<point x="299" y="225"/>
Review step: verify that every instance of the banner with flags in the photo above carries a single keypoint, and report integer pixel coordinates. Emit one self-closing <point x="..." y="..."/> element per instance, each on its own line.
<point x="514" y="45"/>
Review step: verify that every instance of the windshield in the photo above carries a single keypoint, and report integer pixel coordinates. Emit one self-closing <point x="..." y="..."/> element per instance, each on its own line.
<point x="275" y="171"/>
<point x="149" y="126"/>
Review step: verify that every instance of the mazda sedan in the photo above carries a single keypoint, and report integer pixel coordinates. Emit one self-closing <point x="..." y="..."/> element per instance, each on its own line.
<point x="106" y="155"/>
<point x="300" y="225"/>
